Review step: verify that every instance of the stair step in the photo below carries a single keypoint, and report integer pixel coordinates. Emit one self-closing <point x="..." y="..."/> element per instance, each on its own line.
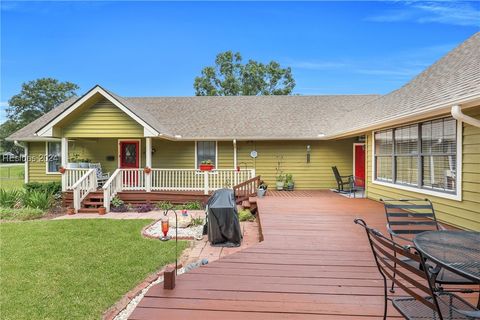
<point x="92" y="203"/>
<point x="252" y="199"/>
<point x="88" y="210"/>
<point x="246" y="204"/>
<point x="95" y="196"/>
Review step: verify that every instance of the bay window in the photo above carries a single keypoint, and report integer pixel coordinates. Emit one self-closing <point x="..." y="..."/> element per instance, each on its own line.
<point x="421" y="155"/>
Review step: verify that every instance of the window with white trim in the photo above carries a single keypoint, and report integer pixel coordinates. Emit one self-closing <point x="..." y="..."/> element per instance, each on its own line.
<point x="206" y="150"/>
<point x="421" y="155"/>
<point x="54" y="156"/>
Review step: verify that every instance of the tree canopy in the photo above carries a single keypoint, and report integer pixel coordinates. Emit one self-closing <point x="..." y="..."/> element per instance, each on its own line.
<point x="229" y="77"/>
<point x="36" y="98"/>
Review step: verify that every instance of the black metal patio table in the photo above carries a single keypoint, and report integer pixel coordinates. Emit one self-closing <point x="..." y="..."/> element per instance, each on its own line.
<point x="454" y="250"/>
<point x="457" y="251"/>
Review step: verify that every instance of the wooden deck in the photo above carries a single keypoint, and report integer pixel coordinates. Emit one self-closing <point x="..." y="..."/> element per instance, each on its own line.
<point x="314" y="263"/>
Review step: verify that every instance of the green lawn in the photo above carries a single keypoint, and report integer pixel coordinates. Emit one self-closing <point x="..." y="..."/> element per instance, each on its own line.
<point x="11" y="176"/>
<point x="74" y="269"/>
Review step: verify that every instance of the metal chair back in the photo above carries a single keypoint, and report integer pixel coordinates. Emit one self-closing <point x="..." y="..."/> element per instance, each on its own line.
<point x="390" y="259"/>
<point x="409" y="217"/>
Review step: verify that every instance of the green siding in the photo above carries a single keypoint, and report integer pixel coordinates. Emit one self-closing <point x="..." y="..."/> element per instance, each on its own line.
<point x="102" y="120"/>
<point x="464" y="214"/>
<point x="173" y="154"/>
<point x="37" y="168"/>
<point x="314" y="175"/>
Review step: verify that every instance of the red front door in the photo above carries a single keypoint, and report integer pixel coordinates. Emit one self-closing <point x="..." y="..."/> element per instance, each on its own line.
<point x="360" y="163"/>
<point x="130" y="159"/>
<point x="129" y="154"/>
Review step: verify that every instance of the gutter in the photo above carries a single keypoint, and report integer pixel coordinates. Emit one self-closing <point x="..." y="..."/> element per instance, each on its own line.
<point x="24" y="147"/>
<point x="460" y="116"/>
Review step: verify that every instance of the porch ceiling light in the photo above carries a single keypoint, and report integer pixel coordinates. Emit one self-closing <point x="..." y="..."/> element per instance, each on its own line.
<point x="320" y="135"/>
<point x="177" y="136"/>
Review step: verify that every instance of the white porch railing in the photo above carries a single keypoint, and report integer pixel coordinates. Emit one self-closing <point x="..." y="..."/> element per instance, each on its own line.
<point x="71" y="176"/>
<point x="172" y="180"/>
<point x="87" y="183"/>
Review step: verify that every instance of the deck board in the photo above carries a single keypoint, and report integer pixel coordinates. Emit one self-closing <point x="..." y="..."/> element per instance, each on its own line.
<point x="314" y="263"/>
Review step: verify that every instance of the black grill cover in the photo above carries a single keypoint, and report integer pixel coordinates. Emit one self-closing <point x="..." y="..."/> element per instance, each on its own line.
<point x="223" y="225"/>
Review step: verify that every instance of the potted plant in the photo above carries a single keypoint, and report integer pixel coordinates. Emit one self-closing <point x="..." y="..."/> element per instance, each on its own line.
<point x="280" y="181"/>
<point x="61" y="170"/>
<point x="206" y="165"/>
<point x="262" y="189"/>
<point x="289" y="184"/>
<point x="70" y="211"/>
<point x="102" y="211"/>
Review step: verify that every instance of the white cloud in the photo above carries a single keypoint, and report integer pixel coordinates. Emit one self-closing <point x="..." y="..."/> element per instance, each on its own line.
<point x="446" y="12"/>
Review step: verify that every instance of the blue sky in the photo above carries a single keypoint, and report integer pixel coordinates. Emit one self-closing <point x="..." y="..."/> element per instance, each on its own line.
<point x="157" y="48"/>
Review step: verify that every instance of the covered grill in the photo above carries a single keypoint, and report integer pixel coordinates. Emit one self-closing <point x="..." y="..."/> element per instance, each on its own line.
<point x="223" y="225"/>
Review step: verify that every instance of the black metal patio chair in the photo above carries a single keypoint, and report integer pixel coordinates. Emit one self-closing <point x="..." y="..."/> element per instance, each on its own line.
<point x="348" y="184"/>
<point x="423" y="300"/>
<point x="409" y="217"/>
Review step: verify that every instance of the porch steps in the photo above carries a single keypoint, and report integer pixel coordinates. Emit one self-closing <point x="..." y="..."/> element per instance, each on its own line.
<point x="250" y="204"/>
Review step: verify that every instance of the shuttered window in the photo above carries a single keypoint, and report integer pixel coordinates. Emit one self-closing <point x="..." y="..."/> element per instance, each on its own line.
<point x="422" y="155"/>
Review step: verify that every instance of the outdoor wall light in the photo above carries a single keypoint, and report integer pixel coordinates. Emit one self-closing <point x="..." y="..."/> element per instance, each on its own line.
<point x="309" y="149"/>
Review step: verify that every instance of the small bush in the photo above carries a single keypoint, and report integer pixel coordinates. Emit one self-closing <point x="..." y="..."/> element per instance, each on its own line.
<point x="120" y="208"/>
<point x="197" y="221"/>
<point x="38" y="200"/>
<point x="20" y="214"/>
<point x="163" y="205"/>
<point x="192" y="205"/>
<point x="245" y="215"/>
<point x="45" y="187"/>
<point x="146" y="207"/>
<point x="10" y="198"/>
<point x="117" y="202"/>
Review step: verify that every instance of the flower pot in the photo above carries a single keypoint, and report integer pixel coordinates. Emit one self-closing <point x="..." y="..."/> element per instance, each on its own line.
<point x="206" y="167"/>
<point x="84" y="165"/>
<point x="261" y="193"/>
<point x="102" y="210"/>
<point x="62" y="170"/>
<point x="279" y="185"/>
<point x="70" y="211"/>
<point x="290" y="186"/>
<point x="72" y="165"/>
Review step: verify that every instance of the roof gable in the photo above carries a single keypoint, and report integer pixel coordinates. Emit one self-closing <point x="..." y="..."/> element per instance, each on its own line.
<point x="90" y="98"/>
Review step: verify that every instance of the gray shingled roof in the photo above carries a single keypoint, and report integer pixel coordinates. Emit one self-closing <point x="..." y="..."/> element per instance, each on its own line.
<point x="454" y="77"/>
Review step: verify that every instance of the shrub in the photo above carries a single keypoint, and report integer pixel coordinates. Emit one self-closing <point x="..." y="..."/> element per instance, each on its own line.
<point x="197" y="221"/>
<point x="120" y="208"/>
<point x="45" y="187"/>
<point x="163" y="205"/>
<point x="245" y="215"/>
<point x="10" y="198"/>
<point x="20" y="214"/>
<point x="117" y="202"/>
<point x="193" y="205"/>
<point x="38" y="200"/>
<point x="146" y="207"/>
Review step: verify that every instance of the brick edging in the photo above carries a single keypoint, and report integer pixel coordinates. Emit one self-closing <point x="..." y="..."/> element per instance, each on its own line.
<point x="149" y="236"/>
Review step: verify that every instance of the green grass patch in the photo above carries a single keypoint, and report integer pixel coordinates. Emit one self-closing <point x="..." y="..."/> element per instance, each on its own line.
<point x="74" y="269"/>
<point x="12" y="176"/>
<point x="21" y="213"/>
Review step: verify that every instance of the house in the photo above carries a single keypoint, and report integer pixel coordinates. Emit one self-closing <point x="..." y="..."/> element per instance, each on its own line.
<point x="422" y="140"/>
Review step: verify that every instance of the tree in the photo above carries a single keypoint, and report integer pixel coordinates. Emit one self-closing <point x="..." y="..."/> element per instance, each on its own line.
<point x="38" y="97"/>
<point x="229" y="77"/>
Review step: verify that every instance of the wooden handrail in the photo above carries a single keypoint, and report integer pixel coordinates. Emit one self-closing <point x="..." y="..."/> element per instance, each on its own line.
<point x="246" y="189"/>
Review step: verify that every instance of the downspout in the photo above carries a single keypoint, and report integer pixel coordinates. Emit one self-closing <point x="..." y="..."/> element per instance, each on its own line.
<point x="24" y="147"/>
<point x="460" y="116"/>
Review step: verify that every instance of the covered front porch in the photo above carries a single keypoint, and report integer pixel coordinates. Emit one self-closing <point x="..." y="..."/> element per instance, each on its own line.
<point x="115" y="166"/>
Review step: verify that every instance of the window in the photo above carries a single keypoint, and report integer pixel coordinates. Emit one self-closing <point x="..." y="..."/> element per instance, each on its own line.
<point x="206" y="150"/>
<point x="422" y="155"/>
<point x="54" y="158"/>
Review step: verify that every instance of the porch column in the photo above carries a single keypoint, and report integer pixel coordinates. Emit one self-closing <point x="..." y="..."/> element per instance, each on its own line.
<point x="148" y="163"/>
<point x="235" y="182"/>
<point x="64" y="161"/>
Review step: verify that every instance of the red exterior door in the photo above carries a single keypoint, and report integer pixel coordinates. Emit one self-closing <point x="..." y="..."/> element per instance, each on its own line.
<point x="360" y="163"/>
<point x="130" y="159"/>
<point x="129" y="154"/>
